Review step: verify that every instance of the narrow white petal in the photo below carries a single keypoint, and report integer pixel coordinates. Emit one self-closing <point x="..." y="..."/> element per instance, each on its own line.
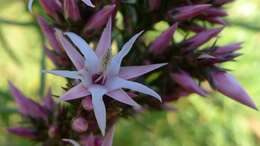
<point x="115" y="64"/>
<point x="64" y="73"/>
<point x="129" y="72"/>
<point x="121" y="96"/>
<point x="71" y="51"/>
<point x="89" y="3"/>
<point x="30" y="3"/>
<point x="91" y="58"/>
<point x="118" y="83"/>
<point x="76" y="92"/>
<point x="105" y="41"/>
<point x="97" y="93"/>
<point x="73" y="142"/>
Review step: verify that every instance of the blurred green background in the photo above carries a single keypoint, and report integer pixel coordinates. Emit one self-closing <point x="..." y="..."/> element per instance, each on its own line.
<point x="211" y="121"/>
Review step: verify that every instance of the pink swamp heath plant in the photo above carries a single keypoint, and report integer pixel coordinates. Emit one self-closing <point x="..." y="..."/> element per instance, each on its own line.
<point x="98" y="85"/>
<point x="100" y="74"/>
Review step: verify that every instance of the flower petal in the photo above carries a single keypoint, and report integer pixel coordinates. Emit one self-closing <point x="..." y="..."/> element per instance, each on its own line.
<point x="115" y="64"/>
<point x="108" y="139"/>
<point x="91" y="59"/>
<point x="65" y="73"/>
<point x="121" y="96"/>
<point x="73" y="142"/>
<point x="105" y="41"/>
<point x="117" y="83"/>
<point x="130" y="72"/>
<point x="97" y="93"/>
<point x="73" y="54"/>
<point x="76" y="92"/>
<point x="30" y="3"/>
<point x="89" y="3"/>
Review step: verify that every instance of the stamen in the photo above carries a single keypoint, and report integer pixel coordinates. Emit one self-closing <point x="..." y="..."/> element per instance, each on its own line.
<point x="99" y="78"/>
<point x="106" y="60"/>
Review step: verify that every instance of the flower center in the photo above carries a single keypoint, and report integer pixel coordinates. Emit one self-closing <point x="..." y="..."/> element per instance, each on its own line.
<point x="99" y="78"/>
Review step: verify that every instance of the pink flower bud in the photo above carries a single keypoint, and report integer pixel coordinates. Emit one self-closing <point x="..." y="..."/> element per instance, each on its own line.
<point x="160" y="45"/>
<point x="80" y="125"/>
<point x="48" y="101"/>
<point x="88" y="140"/>
<point x="71" y="10"/>
<point x="227" y="49"/>
<point x="49" y="33"/>
<point x="53" y="131"/>
<point x="51" y="7"/>
<point x="27" y="106"/>
<point x="228" y="85"/>
<point x="154" y="5"/>
<point x="23" y="132"/>
<point x="201" y="38"/>
<point x="180" y="92"/>
<point x="194" y="27"/>
<point x="215" y="12"/>
<point x="221" y="2"/>
<point x="186" y="82"/>
<point x="87" y="103"/>
<point x="59" y="59"/>
<point x="188" y="12"/>
<point x="215" y="20"/>
<point x="99" y="19"/>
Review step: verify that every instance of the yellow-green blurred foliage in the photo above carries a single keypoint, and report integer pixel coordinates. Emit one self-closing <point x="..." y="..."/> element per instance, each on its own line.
<point x="211" y="121"/>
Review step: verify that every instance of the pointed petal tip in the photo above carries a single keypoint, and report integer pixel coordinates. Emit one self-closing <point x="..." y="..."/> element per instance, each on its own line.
<point x="68" y="33"/>
<point x="202" y="92"/>
<point x="157" y="96"/>
<point x="10" y="83"/>
<point x="103" y="132"/>
<point x="164" y="64"/>
<point x="137" y="106"/>
<point x="30" y="3"/>
<point x="13" y="89"/>
<point x="226" y="84"/>
<point x="252" y="105"/>
<point x="47" y="72"/>
<point x="89" y="3"/>
<point x="140" y="33"/>
<point x="74" y="143"/>
<point x="255" y="108"/>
